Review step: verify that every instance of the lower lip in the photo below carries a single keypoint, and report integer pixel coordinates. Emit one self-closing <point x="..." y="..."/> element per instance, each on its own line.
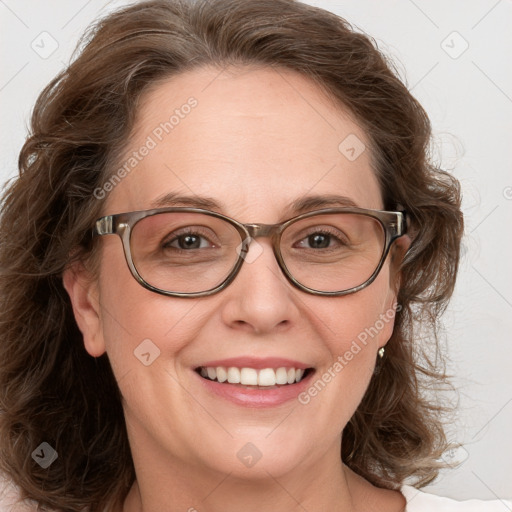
<point x="256" y="397"/>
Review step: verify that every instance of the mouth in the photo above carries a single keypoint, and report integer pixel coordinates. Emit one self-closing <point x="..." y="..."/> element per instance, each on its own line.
<point x="254" y="378"/>
<point x="254" y="381"/>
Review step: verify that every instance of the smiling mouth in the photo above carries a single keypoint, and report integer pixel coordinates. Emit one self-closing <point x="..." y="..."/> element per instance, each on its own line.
<point x="265" y="378"/>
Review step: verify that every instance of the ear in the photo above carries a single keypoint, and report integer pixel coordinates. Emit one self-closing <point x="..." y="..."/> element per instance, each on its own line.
<point x="83" y="291"/>
<point x="398" y="250"/>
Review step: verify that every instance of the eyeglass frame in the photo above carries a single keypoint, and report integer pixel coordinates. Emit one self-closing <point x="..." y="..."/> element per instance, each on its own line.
<point x="394" y="224"/>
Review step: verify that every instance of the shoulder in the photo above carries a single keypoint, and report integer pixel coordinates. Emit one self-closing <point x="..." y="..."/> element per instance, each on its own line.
<point x="10" y="499"/>
<point x="418" y="501"/>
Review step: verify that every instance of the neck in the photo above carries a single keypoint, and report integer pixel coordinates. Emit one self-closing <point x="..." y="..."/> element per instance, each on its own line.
<point x="325" y="484"/>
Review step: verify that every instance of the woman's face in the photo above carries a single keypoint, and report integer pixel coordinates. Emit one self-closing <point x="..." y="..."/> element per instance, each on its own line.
<point x="254" y="141"/>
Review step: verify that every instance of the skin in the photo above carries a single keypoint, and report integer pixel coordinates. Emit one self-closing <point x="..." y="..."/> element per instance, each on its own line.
<point x="257" y="140"/>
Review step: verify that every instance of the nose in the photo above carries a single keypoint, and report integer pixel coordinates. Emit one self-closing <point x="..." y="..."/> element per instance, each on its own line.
<point x="260" y="299"/>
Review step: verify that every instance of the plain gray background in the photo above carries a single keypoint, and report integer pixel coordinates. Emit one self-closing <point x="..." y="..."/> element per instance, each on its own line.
<point x="455" y="58"/>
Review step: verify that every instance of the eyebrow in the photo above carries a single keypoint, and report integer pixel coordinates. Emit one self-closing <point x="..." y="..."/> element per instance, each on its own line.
<point x="321" y="201"/>
<point x="174" y="199"/>
<point x="298" y="206"/>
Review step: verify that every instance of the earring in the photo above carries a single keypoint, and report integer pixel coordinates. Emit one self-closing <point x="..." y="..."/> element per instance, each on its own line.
<point x="381" y="352"/>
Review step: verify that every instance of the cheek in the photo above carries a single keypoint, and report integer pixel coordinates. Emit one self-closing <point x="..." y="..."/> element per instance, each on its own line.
<point x="136" y="321"/>
<point x="364" y="318"/>
<point x="145" y="322"/>
<point x="353" y="327"/>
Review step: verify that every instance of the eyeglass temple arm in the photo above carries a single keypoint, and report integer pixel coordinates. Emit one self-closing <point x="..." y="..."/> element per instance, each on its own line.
<point x="104" y="226"/>
<point x="401" y="224"/>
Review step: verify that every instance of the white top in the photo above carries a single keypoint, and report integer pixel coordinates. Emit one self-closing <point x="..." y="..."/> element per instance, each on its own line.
<point x="417" y="501"/>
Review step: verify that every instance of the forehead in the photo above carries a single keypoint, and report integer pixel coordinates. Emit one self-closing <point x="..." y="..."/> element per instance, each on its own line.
<point x="254" y="139"/>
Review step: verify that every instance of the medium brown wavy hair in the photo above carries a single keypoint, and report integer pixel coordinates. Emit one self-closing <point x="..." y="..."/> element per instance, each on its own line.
<point x="50" y="388"/>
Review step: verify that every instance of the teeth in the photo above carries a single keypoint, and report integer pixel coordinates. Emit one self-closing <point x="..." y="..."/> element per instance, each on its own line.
<point x="248" y="377"/>
<point x="252" y="377"/>
<point x="222" y="374"/>
<point x="233" y="375"/>
<point x="267" y="377"/>
<point x="281" y="376"/>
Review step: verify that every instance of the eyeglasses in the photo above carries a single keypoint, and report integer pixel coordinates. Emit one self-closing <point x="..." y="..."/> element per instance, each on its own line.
<point x="191" y="252"/>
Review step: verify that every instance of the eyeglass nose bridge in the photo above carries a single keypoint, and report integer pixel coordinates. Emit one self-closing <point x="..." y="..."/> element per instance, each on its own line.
<point x="262" y="230"/>
<point x="270" y="231"/>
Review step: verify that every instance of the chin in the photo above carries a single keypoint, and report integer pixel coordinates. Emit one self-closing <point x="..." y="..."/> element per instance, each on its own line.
<point x="258" y="453"/>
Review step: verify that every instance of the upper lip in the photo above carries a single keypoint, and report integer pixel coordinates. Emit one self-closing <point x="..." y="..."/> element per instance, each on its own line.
<point x="256" y="363"/>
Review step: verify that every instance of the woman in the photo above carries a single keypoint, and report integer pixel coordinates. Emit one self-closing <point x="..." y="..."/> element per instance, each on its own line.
<point x="223" y="233"/>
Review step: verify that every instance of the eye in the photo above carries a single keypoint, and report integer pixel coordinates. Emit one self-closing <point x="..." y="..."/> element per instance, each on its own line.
<point x="187" y="241"/>
<point x="321" y="239"/>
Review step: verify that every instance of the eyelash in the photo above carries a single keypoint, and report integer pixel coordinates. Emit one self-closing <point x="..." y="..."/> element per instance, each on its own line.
<point x="183" y="232"/>
<point x="166" y="244"/>
<point x="325" y="231"/>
